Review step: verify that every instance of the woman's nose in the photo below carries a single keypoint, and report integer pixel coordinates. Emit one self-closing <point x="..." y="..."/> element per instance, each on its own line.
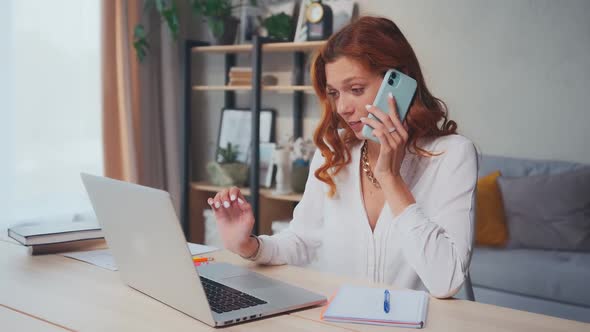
<point x="344" y="107"/>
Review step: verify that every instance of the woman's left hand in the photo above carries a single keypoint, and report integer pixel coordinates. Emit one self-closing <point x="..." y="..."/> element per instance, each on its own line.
<point x="393" y="137"/>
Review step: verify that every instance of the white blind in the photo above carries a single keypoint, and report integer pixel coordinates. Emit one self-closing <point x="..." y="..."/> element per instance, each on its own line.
<point x="50" y="126"/>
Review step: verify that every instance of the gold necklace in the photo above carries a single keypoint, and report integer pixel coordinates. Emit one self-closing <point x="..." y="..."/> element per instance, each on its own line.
<point x="366" y="167"/>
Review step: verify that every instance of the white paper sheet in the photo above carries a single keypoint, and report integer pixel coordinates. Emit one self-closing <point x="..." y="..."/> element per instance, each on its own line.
<point x="104" y="259"/>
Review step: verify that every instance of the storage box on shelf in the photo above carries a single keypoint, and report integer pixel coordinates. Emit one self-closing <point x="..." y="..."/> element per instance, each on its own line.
<point x="266" y="206"/>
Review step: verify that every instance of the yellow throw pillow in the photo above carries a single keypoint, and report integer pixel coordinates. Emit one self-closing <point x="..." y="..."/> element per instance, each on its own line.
<point x="490" y="226"/>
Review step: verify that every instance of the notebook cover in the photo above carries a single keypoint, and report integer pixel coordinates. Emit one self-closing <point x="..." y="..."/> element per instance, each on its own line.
<point x="55" y="232"/>
<point x="41" y="229"/>
<point x="353" y="304"/>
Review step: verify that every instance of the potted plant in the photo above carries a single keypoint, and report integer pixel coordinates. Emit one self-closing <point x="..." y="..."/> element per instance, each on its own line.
<point x="228" y="171"/>
<point x="168" y="13"/>
<point x="218" y="13"/>
<point x="223" y="26"/>
<point x="279" y="27"/>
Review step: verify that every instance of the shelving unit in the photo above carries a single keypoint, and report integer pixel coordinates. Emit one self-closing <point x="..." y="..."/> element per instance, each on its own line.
<point x="267" y="47"/>
<point x="266" y="206"/>
<point x="268" y="193"/>
<point x="304" y="88"/>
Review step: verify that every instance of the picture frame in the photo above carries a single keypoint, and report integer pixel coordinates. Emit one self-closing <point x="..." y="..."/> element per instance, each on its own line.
<point x="343" y="12"/>
<point x="248" y="23"/>
<point x="267" y="166"/>
<point x="235" y="128"/>
<point x="301" y="27"/>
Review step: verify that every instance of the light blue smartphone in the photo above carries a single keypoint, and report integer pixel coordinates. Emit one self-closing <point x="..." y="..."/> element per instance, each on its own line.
<point x="402" y="87"/>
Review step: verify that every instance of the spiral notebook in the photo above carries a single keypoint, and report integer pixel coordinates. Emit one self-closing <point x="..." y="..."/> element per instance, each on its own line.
<point x="364" y="305"/>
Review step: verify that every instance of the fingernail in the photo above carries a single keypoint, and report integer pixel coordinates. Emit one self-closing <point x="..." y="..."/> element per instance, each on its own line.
<point x="368" y="107"/>
<point x="363" y="119"/>
<point x="233" y="198"/>
<point x="217" y="205"/>
<point x="209" y="201"/>
<point x="240" y="201"/>
<point x="390" y="95"/>
<point x="226" y="204"/>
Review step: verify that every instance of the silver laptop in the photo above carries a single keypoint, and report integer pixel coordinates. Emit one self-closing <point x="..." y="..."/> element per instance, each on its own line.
<point x="145" y="238"/>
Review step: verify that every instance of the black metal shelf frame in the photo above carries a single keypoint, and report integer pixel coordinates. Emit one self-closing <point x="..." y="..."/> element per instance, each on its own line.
<point x="229" y="102"/>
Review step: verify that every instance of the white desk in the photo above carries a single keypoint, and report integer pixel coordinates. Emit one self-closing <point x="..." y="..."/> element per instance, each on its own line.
<point x="80" y="296"/>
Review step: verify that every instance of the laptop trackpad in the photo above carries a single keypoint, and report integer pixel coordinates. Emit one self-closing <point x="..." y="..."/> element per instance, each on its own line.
<point x="249" y="281"/>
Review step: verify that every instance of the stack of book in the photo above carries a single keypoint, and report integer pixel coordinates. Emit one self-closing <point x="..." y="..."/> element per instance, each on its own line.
<point x="53" y="237"/>
<point x="242" y="76"/>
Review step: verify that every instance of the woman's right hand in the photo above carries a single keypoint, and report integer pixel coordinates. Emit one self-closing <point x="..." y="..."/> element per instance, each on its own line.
<point x="235" y="221"/>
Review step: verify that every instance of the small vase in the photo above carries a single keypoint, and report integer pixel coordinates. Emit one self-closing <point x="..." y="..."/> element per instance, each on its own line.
<point x="299" y="174"/>
<point x="281" y="158"/>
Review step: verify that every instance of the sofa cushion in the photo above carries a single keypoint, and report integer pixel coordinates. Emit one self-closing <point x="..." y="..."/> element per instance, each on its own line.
<point x="514" y="167"/>
<point x="548" y="211"/>
<point x="490" y="228"/>
<point x="554" y="275"/>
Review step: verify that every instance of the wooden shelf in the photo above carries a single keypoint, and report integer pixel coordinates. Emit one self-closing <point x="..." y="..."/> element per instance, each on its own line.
<point x="276" y="88"/>
<point x="290" y="197"/>
<point x="269" y="47"/>
<point x="265" y="192"/>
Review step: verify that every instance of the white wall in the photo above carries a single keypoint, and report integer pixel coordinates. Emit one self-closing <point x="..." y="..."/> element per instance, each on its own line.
<point x="50" y="120"/>
<point x="7" y="102"/>
<point x="515" y="73"/>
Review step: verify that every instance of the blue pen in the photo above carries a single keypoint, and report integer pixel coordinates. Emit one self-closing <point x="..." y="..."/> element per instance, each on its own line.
<point x="386" y="301"/>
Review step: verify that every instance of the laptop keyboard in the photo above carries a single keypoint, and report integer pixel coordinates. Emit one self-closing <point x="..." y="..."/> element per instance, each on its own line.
<point x="224" y="299"/>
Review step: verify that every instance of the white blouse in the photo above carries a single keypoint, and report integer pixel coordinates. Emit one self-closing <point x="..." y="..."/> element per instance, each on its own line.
<point x="428" y="246"/>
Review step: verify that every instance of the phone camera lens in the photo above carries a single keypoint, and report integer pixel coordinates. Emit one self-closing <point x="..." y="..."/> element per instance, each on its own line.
<point x="393" y="75"/>
<point x="390" y="81"/>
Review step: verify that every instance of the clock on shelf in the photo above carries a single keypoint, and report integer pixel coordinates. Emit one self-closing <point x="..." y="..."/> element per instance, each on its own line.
<point x="319" y="20"/>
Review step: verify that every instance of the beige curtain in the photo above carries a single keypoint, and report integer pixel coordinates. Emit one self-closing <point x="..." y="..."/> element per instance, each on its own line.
<point x="142" y="101"/>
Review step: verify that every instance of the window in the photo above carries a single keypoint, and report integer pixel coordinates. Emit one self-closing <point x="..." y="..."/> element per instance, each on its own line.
<point x="51" y="104"/>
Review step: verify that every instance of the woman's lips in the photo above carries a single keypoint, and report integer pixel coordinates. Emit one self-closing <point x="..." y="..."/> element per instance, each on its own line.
<point x="356" y="125"/>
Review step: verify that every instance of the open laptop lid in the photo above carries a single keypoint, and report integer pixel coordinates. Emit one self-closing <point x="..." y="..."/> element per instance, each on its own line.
<point x="143" y="233"/>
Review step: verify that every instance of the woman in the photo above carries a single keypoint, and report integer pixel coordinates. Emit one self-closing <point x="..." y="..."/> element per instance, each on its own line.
<point x="400" y="211"/>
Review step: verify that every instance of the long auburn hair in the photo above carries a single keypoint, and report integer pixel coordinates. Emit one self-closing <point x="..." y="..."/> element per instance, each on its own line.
<point x="378" y="45"/>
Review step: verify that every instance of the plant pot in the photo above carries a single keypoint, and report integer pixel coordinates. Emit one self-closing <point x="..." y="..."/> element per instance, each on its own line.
<point x="226" y="175"/>
<point x="226" y="35"/>
<point x="299" y="174"/>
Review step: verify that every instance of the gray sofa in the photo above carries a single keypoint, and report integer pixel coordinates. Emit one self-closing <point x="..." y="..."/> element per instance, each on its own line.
<point x="551" y="282"/>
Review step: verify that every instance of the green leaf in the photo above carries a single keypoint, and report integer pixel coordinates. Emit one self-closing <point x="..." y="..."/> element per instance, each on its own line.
<point x="140" y="42"/>
<point x="197" y="7"/>
<point x="141" y="48"/>
<point x="216" y="26"/>
<point x="139" y="31"/>
<point x="171" y="19"/>
<point x="209" y="8"/>
<point x="279" y="26"/>
<point x="160" y="5"/>
<point x="148" y="5"/>
<point x="229" y="154"/>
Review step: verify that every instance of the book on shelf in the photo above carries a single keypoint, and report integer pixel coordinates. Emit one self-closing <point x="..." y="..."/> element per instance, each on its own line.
<point x="38" y="233"/>
<point x="241" y="69"/>
<point x="240" y="75"/>
<point x="265" y="80"/>
<point x="239" y="82"/>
